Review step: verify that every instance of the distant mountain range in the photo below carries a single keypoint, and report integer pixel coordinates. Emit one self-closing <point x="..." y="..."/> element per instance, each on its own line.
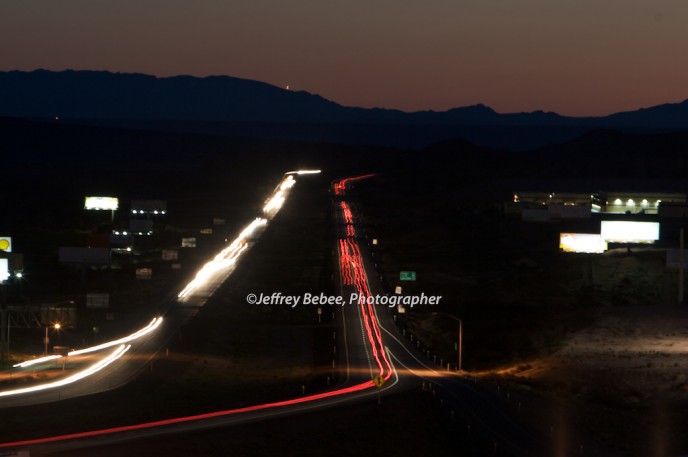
<point x="240" y="107"/>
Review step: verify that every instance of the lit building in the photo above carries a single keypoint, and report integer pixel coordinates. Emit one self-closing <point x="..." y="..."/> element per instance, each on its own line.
<point x="639" y="202"/>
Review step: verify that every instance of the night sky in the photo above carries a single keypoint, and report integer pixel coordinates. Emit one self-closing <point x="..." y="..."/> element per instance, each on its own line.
<point x="576" y="57"/>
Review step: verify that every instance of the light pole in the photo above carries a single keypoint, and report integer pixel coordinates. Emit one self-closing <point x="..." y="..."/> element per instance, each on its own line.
<point x="460" y="346"/>
<point x="46" y="340"/>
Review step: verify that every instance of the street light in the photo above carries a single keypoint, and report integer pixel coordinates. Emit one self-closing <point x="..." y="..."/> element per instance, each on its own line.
<point x="460" y="348"/>
<point x="46" y="340"/>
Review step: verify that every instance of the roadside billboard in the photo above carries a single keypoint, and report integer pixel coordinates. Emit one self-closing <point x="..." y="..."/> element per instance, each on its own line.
<point x="629" y="232"/>
<point x="591" y="243"/>
<point x="101" y="203"/>
<point x="4" y="270"/>
<point x="6" y="243"/>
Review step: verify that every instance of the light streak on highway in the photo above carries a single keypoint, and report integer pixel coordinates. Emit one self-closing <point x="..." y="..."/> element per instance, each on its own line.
<point x="28" y="363"/>
<point x="353" y="272"/>
<point x="303" y="172"/>
<point x="226" y="258"/>
<point x="154" y="324"/>
<point x="179" y="420"/>
<point x="278" y="197"/>
<point x="340" y="187"/>
<point x="356" y="276"/>
<point x="116" y="354"/>
<point x="210" y="272"/>
<point x="229" y="256"/>
<point x="353" y="275"/>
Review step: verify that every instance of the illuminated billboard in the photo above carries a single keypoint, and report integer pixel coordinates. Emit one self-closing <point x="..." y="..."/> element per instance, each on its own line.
<point x="101" y="203"/>
<point x="5" y="243"/>
<point x="629" y="231"/>
<point x="582" y="242"/>
<point x="4" y="270"/>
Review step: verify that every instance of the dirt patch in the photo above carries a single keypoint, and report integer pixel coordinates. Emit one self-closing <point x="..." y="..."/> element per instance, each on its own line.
<point x="622" y="380"/>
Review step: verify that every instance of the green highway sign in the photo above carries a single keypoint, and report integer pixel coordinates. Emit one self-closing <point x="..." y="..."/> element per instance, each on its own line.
<point x="407" y="276"/>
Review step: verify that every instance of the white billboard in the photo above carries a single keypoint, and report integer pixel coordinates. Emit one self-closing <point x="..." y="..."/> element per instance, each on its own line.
<point x="629" y="231"/>
<point x="4" y="270"/>
<point x="101" y="203"/>
<point x="582" y="242"/>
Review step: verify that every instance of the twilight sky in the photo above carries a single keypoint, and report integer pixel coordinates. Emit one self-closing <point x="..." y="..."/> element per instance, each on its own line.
<point x="576" y="57"/>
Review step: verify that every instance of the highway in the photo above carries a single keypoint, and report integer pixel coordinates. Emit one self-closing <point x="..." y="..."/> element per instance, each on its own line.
<point x="373" y="348"/>
<point x="363" y="339"/>
<point x="112" y="364"/>
<point x="469" y="404"/>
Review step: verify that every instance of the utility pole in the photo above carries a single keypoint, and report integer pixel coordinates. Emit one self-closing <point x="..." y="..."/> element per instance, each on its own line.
<point x="460" y="345"/>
